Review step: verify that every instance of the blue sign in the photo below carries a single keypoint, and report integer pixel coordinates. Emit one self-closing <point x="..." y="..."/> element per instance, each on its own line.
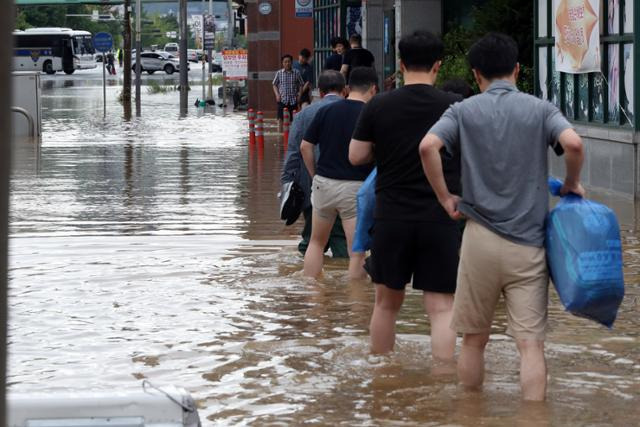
<point x="103" y="42"/>
<point x="304" y="8"/>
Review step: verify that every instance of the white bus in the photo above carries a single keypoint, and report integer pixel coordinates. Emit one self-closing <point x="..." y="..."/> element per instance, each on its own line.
<point x="53" y="49"/>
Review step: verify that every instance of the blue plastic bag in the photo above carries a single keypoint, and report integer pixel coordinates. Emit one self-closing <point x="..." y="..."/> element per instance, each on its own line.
<point x="366" y="202"/>
<point x="584" y="254"/>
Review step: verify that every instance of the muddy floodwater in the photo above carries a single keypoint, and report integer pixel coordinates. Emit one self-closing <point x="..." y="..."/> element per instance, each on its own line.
<point x="152" y="250"/>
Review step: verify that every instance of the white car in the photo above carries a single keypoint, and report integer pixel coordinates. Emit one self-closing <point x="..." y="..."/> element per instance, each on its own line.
<point x="157" y="61"/>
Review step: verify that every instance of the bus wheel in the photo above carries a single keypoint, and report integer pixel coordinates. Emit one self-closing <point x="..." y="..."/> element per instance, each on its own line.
<point x="48" y="67"/>
<point x="69" y="71"/>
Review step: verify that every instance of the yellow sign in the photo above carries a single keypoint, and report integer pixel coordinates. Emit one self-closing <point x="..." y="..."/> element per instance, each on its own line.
<point x="577" y="36"/>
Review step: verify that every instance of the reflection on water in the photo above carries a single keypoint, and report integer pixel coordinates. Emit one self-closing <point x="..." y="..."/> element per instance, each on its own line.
<point x="152" y="249"/>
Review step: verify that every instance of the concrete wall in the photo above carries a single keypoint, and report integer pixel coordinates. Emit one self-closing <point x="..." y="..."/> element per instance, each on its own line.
<point x="611" y="160"/>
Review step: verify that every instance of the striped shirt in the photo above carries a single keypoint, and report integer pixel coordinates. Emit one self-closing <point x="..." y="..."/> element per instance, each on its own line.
<point x="288" y="84"/>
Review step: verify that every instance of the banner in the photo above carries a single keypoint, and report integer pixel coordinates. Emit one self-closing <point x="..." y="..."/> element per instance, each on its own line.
<point x="304" y="8"/>
<point x="234" y="63"/>
<point x="577" y="36"/>
<point x="209" y="32"/>
<point x="196" y="28"/>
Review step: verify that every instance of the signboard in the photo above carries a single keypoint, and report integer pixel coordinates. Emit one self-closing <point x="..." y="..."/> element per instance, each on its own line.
<point x="197" y="29"/>
<point x="209" y="32"/>
<point x="103" y="42"/>
<point x="577" y="36"/>
<point x="264" y="8"/>
<point x="304" y="8"/>
<point x="234" y="64"/>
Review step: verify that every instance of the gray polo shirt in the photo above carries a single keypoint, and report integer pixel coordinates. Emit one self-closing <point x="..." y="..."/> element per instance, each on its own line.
<point x="502" y="136"/>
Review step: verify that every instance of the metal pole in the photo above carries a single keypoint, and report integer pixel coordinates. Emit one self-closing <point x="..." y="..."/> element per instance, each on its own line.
<point x="6" y="55"/>
<point x="224" y="92"/>
<point x="204" y="76"/>
<point x="210" y="54"/>
<point x="104" y="85"/>
<point x="184" y="72"/>
<point x="231" y="24"/>
<point x="126" y="82"/>
<point x="138" y="49"/>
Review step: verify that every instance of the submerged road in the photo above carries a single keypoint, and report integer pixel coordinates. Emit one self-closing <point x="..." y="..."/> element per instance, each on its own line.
<point x="152" y="249"/>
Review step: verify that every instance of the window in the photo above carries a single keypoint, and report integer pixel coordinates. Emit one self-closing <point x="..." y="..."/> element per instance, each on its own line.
<point x="606" y="97"/>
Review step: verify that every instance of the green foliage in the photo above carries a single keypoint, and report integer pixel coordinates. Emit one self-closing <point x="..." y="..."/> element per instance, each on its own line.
<point x="513" y="17"/>
<point x="155" y="87"/>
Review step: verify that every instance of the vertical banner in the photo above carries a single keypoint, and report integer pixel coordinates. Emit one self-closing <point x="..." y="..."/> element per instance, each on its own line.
<point x="304" y="8"/>
<point x="577" y="36"/>
<point x="197" y="30"/>
<point x="209" y="32"/>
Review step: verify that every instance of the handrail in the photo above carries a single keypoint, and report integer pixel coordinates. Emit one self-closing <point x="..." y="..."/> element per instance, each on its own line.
<point x="27" y="115"/>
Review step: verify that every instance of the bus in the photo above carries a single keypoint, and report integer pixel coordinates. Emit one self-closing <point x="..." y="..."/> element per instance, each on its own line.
<point x="52" y="49"/>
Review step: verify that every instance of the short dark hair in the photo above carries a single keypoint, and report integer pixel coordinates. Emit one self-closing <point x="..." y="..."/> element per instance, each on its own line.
<point x="420" y="51"/>
<point x="356" y="38"/>
<point x="458" y="86"/>
<point x="335" y="41"/>
<point x="285" y="56"/>
<point x="331" y="81"/>
<point x="305" y="53"/>
<point x="362" y="78"/>
<point x="495" y="55"/>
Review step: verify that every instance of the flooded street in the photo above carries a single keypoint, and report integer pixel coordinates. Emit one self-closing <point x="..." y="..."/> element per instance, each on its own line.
<point x="153" y="250"/>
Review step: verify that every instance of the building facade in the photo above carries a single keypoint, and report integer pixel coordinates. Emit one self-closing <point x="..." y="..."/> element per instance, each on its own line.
<point x="602" y="105"/>
<point x="274" y="28"/>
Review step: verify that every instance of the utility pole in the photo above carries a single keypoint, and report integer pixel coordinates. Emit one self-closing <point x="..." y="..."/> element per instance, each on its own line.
<point x="184" y="72"/>
<point x="231" y="25"/>
<point x="6" y="53"/>
<point x="126" y="83"/>
<point x="138" y="52"/>
<point x="210" y="51"/>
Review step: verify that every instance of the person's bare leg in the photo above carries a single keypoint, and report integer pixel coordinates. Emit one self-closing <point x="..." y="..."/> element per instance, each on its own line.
<point x="314" y="257"/>
<point x="356" y="259"/>
<point x="533" y="369"/>
<point x="383" y="320"/>
<point x="471" y="361"/>
<point x="439" y="308"/>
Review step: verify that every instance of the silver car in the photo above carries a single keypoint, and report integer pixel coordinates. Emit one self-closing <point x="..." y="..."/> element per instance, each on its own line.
<point x="157" y="61"/>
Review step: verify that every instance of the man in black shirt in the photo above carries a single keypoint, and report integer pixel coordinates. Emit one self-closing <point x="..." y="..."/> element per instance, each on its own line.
<point x="413" y="237"/>
<point x="334" y="61"/>
<point x="335" y="181"/>
<point x="357" y="56"/>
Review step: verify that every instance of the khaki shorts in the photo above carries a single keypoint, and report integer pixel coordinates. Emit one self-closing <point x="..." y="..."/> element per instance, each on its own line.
<point x="491" y="265"/>
<point x="330" y="197"/>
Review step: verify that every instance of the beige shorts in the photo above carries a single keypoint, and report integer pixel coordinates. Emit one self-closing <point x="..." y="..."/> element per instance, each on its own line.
<point x="330" y="197"/>
<point x="491" y="265"/>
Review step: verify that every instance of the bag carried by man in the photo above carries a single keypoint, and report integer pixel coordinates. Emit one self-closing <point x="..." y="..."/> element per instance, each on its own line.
<point x="584" y="254"/>
<point x="366" y="202"/>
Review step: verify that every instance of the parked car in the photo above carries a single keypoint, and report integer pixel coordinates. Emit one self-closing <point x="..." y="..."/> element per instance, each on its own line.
<point x="194" y="55"/>
<point x="172" y="48"/>
<point x="157" y="61"/>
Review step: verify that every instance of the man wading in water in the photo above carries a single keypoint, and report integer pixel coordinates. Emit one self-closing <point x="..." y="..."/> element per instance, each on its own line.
<point x="413" y="238"/>
<point x="502" y="136"/>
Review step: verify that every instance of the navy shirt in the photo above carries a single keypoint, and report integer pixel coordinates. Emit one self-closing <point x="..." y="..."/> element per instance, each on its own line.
<point x="333" y="62"/>
<point x="331" y="130"/>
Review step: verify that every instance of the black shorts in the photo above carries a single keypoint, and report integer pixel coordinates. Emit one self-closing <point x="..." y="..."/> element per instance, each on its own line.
<point x="426" y="251"/>
<point x="281" y="108"/>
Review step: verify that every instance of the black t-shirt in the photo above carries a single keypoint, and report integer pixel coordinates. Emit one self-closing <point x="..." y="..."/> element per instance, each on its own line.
<point x="357" y="57"/>
<point x="331" y="130"/>
<point x="333" y="62"/>
<point x="396" y="122"/>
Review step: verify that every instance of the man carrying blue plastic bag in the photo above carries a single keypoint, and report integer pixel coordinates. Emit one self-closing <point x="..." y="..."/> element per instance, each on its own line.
<point x="502" y="136"/>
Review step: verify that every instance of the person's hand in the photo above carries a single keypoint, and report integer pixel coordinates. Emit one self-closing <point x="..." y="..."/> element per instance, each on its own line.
<point x="572" y="187"/>
<point x="278" y="98"/>
<point x="451" y="206"/>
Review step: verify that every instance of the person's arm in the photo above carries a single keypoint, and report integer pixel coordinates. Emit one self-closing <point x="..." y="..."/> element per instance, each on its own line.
<point x="276" y="89"/>
<point x="344" y="70"/>
<point x="573" y="158"/>
<point x="308" y="155"/>
<point x="361" y="152"/>
<point x="293" y="158"/>
<point x="432" y="164"/>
